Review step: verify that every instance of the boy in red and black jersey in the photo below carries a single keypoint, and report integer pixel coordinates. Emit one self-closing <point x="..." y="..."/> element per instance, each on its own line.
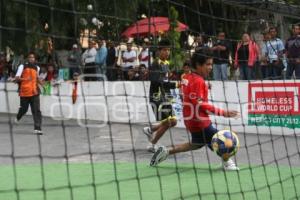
<point x="196" y="109"/>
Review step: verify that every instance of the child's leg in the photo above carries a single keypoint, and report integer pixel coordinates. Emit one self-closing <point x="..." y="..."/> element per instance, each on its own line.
<point x="162" y="128"/>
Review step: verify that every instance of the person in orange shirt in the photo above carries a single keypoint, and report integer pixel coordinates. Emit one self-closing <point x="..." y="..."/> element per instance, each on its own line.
<point x="28" y="78"/>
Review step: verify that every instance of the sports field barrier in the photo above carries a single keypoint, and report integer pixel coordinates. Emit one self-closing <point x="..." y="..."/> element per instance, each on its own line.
<point x="265" y="106"/>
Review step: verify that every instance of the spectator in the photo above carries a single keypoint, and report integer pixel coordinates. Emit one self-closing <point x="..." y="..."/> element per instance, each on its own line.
<point x="52" y="56"/>
<point x="221" y="50"/>
<point x="101" y="59"/>
<point x="18" y="60"/>
<point x="12" y="77"/>
<point x="56" y="80"/>
<point x="9" y="54"/>
<point x="186" y="69"/>
<point x="144" y="73"/>
<point x="111" y="61"/>
<point x="3" y="66"/>
<point x="133" y="74"/>
<point x="144" y="56"/>
<point x="174" y="75"/>
<point x="246" y="56"/>
<point x="43" y="74"/>
<point x="129" y="60"/>
<point x="76" y="77"/>
<point x="41" y="53"/>
<point x="50" y="73"/>
<point x="264" y="55"/>
<point x="88" y="59"/>
<point x="198" y="42"/>
<point x="74" y="58"/>
<point x="201" y="42"/>
<point x="274" y="50"/>
<point x="293" y="53"/>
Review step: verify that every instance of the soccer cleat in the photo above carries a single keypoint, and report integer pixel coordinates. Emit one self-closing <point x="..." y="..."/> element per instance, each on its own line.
<point x="152" y="147"/>
<point x="230" y="165"/>
<point x="147" y="131"/>
<point x="38" y="132"/>
<point x="160" y="155"/>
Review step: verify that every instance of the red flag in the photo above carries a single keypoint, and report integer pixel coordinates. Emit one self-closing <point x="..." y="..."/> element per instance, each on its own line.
<point x="74" y="92"/>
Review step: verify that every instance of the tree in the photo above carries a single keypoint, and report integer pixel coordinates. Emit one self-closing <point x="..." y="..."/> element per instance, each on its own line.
<point x="24" y="22"/>
<point x="177" y="56"/>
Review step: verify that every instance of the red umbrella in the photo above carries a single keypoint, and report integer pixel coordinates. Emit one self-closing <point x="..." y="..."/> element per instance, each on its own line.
<point x="157" y="25"/>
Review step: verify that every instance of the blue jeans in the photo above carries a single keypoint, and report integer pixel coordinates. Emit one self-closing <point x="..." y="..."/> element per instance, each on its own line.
<point x="101" y="72"/>
<point x="220" y="71"/>
<point x="275" y="71"/>
<point x="291" y="68"/>
<point x="264" y="71"/>
<point x="246" y="72"/>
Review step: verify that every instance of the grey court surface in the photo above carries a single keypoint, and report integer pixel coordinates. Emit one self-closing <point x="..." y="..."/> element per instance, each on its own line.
<point x="67" y="140"/>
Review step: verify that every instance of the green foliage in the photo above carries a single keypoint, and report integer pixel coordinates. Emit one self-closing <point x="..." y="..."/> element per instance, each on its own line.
<point x="294" y="2"/>
<point x="177" y="55"/>
<point x="24" y="22"/>
<point x="63" y="18"/>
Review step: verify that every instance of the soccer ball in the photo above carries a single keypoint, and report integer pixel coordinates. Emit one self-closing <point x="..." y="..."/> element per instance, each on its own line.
<point x="225" y="143"/>
<point x="90" y="7"/>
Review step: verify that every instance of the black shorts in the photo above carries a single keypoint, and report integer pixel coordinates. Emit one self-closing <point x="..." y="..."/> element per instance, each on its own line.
<point x="204" y="136"/>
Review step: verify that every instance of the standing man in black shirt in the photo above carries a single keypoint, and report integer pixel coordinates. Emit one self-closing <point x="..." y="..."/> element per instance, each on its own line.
<point x="111" y="61"/>
<point x="221" y="50"/>
<point x="292" y="47"/>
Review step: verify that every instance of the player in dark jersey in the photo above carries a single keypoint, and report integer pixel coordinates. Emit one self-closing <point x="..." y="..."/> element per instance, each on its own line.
<point x="160" y="96"/>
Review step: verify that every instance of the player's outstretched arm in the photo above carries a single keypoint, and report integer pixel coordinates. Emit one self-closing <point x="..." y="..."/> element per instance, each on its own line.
<point x="231" y="113"/>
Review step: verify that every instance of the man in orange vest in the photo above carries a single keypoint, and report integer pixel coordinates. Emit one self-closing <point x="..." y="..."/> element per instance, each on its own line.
<point x="28" y="78"/>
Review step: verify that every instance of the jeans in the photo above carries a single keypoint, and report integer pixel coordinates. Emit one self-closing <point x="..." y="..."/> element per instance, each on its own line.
<point x="101" y="72"/>
<point x="112" y="73"/>
<point x="292" y="66"/>
<point x="220" y="71"/>
<point x="246" y="72"/>
<point x="275" y="71"/>
<point x="264" y="71"/>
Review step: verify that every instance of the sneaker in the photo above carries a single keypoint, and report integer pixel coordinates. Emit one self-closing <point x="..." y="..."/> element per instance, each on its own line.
<point x="230" y="165"/>
<point x="38" y="132"/>
<point x="147" y="131"/>
<point x="160" y="155"/>
<point x="152" y="147"/>
<point x="16" y="121"/>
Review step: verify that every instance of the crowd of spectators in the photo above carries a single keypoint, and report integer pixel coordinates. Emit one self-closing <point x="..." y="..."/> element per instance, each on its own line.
<point x="247" y="59"/>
